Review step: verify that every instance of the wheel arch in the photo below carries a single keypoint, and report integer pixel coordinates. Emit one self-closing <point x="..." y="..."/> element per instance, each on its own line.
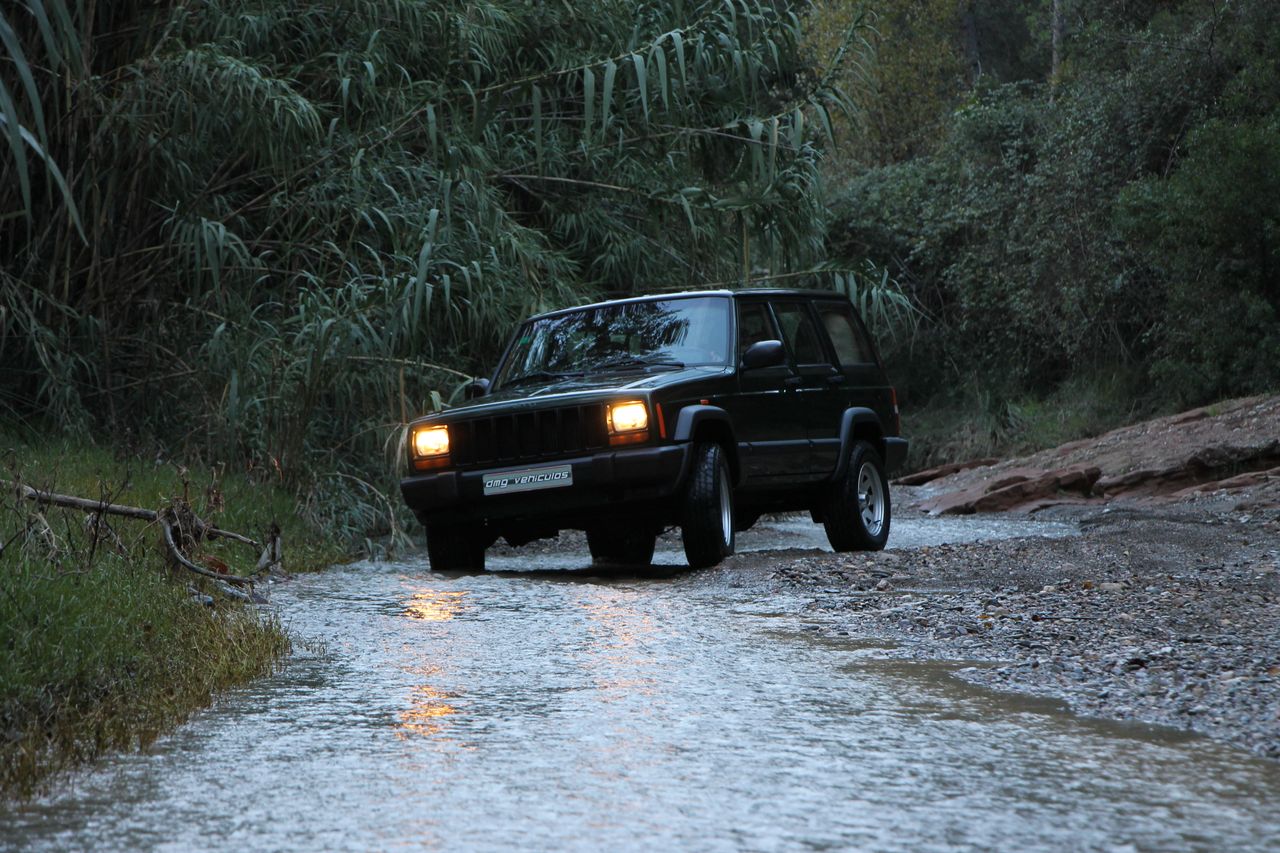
<point x="858" y="423"/>
<point x="710" y="423"/>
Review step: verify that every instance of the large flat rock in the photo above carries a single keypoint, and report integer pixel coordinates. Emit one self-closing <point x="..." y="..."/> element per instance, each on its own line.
<point x="1230" y="446"/>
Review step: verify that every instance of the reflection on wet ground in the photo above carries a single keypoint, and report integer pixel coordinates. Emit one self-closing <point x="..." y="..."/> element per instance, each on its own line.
<point x="434" y="605"/>
<point x="615" y="710"/>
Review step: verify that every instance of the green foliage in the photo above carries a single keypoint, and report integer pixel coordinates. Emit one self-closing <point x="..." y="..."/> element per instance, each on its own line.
<point x="99" y="647"/>
<point x="1121" y="216"/>
<point x="301" y="222"/>
<point x="978" y="421"/>
<point x="1211" y="231"/>
<point x="917" y="75"/>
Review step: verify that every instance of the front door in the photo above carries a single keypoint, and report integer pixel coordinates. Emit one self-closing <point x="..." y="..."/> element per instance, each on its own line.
<point x="772" y="443"/>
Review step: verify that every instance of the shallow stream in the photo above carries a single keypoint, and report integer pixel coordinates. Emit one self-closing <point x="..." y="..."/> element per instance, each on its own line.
<point x="542" y="709"/>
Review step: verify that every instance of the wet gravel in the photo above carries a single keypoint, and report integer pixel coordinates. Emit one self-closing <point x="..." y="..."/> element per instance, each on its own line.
<point x="1166" y="615"/>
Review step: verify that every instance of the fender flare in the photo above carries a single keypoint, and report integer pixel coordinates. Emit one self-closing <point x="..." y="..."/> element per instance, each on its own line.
<point x="691" y="417"/>
<point x="852" y="418"/>
<point x="694" y="416"/>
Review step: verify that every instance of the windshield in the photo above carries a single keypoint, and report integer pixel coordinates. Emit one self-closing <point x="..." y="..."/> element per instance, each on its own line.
<point x="669" y="333"/>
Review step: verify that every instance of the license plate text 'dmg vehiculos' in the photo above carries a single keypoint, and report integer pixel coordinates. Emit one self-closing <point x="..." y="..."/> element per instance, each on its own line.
<point x="508" y="482"/>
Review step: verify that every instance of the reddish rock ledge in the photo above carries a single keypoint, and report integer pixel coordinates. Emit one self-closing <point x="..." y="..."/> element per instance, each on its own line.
<point x="1232" y="446"/>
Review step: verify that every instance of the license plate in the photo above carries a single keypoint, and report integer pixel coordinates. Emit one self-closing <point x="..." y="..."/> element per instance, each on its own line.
<point x="509" y="482"/>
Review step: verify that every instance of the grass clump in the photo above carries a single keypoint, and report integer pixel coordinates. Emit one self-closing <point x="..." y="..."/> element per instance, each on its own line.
<point x="101" y="645"/>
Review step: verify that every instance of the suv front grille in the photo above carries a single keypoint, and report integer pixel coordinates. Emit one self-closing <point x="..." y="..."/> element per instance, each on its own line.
<point x="527" y="436"/>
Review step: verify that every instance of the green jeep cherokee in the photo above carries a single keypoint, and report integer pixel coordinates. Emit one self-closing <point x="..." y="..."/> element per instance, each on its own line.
<point x="699" y="410"/>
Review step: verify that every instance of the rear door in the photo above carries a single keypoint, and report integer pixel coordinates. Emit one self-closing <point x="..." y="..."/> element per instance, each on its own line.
<point x="817" y="404"/>
<point x="859" y="379"/>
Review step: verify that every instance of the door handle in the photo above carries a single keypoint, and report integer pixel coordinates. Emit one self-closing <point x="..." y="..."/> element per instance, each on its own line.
<point x="791" y="381"/>
<point x="835" y="379"/>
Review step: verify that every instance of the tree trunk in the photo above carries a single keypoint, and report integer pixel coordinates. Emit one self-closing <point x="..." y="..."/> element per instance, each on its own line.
<point x="1056" y="37"/>
<point x="969" y="30"/>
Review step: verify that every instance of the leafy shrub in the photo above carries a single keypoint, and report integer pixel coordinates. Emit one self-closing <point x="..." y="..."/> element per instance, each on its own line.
<point x="271" y="232"/>
<point x="1119" y="217"/>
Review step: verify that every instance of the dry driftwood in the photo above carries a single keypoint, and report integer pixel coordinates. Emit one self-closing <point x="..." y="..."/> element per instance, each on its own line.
<point x="207" y="531"/>
<point x="181" y="529"/>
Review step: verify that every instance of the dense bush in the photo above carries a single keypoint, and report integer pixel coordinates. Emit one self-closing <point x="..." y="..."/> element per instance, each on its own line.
<point x="1119" y="216"/>
<point x="1211" y="234"/>
<point x="272" y="232"/>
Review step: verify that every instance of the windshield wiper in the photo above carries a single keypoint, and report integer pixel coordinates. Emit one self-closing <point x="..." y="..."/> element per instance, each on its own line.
<point x="637" y="361"/>
<point x="540" y="376"/>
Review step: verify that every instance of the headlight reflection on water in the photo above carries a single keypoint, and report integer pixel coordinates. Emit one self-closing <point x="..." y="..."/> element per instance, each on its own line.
<point x="428" y="713"/>
<point x="433" y="605"/>
<point x="429" y="706"/>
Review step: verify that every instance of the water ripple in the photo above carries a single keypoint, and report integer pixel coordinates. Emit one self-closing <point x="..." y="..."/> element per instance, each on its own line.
<point x="691" y="711"/>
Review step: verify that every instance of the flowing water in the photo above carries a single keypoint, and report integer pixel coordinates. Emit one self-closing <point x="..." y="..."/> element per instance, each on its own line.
<point x="529" y="708"/>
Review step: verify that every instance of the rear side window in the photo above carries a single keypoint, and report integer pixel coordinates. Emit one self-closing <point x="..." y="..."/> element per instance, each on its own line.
<point x="798" y="333"/>
<point x="851" y="345"/>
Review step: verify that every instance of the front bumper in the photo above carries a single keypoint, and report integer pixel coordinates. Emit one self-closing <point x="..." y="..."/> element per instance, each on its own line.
<point x="605" y="482"/>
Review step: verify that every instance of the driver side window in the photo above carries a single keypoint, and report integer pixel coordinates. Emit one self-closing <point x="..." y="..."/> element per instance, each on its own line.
<point x="754" y="325"/>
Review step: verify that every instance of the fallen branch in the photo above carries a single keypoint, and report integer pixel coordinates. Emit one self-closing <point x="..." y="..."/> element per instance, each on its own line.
<point x="181" y="517"/>
<point x="203" y="528"/>
<point x="271" y="561"/>
<point x="85" y="504"/>
<point x="181" y="558"/>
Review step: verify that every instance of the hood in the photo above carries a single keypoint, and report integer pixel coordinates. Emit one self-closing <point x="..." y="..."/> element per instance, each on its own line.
<point x="591" y="384"/>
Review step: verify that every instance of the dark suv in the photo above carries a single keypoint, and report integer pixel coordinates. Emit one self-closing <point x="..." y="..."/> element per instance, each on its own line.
<point x="701" y="410"/>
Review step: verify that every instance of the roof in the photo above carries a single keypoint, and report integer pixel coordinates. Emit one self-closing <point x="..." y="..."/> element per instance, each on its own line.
<point x="686" y="294"/>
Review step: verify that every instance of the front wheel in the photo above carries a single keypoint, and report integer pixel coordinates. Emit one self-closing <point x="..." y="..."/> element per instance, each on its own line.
<point x="857" y="509"/>
<point x="455" y="548"/>
<point x="707" y="528"/>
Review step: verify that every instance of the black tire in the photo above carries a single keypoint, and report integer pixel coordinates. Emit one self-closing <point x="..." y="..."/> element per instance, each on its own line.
<point x="707" y="517"/>
<point x="857" y="510"/>
<point x="455" y="548"/>
<point x="621" y="546"/>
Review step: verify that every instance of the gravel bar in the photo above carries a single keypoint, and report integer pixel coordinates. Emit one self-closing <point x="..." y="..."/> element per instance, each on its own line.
<point x="1158" y="614"/>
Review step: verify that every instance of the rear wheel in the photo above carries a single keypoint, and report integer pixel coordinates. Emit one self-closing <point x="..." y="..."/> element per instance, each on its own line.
<point x="621" y="546"/>
<point x="455" y="548"/>
<point x="856" y="512"/>
<point x="707" y="516"/>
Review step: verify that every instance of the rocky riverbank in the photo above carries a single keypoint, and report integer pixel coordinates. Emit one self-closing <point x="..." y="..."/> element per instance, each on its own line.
<point x="1165" y="609"/>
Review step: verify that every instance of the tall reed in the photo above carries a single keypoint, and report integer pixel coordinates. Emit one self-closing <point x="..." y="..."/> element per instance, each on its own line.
<point x="271" y="232"/>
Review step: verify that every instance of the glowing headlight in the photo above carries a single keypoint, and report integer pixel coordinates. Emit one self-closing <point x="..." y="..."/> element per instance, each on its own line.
<point x="628" y="417"/>
<point x="431" y="441"/>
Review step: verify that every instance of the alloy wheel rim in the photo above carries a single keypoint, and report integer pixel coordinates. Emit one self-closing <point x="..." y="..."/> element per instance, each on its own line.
<point x="726" y="509"/>
<point x="871" y="498"/>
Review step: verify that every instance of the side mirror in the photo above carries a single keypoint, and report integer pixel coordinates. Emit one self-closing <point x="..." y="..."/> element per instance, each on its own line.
<point x="475" y="388"/>
<point x="763" y="354"/>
